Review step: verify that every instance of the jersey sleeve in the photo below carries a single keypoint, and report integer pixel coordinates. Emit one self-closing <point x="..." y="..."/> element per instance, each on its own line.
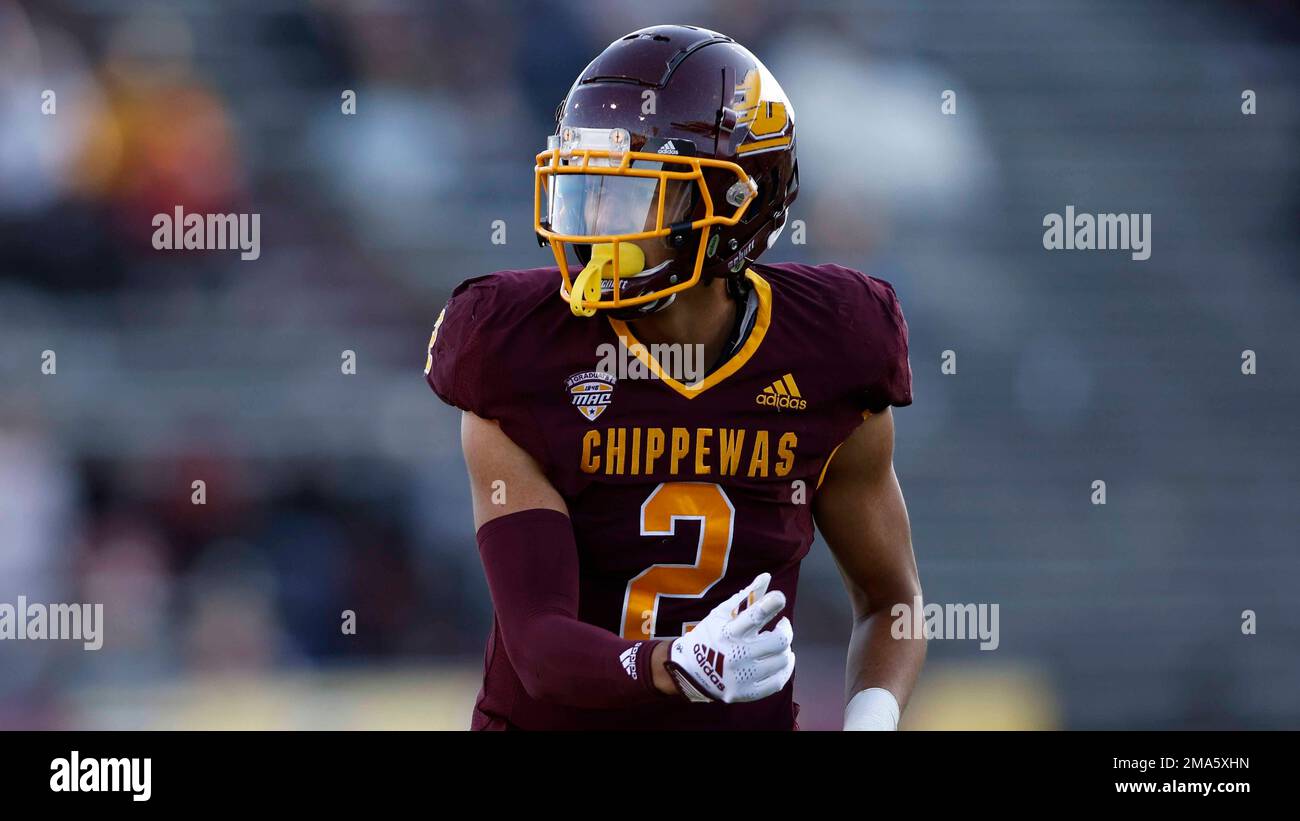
<point x="455" y="362"/>
<point x="473" y="363"/>
<point x="882" y="373"/>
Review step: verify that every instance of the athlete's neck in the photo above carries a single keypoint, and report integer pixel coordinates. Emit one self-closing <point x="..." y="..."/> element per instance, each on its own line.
<point x="703" y="315"/>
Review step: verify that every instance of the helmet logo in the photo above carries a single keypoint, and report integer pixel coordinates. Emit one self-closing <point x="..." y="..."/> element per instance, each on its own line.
<point x="768" y="120"/>
<point x="667" y="148"/>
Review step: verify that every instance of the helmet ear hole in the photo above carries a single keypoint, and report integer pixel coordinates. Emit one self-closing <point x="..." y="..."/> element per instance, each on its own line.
<point x="770" y="182"/>
<point x="582" y="251"/>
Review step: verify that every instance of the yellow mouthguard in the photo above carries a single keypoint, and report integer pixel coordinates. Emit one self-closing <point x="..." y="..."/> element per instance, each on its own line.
<point x="586" y="286"/>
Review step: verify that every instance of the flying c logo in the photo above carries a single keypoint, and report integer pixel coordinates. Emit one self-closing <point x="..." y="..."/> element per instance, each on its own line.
<point x="768" y="120"/>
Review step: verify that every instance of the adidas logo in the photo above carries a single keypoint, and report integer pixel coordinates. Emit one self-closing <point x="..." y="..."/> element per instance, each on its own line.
<point x="628" y="658"/>
<point x="711" y="662"/>
<point x="667" y="148"/>
<point x="782" y="394"/>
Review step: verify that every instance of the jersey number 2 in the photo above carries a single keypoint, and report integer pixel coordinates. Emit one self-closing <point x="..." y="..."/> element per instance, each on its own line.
<point x="670" y="502"/>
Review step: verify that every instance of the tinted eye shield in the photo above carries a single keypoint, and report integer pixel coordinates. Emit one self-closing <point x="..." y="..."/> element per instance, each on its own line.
<point x="601" y="152"/>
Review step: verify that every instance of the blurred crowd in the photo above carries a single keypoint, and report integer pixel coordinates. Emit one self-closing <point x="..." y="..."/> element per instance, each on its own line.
<point x="327" y="491"/>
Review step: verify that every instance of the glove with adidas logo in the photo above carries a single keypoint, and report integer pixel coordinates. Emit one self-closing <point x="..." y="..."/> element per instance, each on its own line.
<point x="725" y="657"/>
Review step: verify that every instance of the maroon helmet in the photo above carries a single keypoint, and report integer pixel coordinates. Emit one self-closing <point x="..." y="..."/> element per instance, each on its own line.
<point x="673" y="162"/>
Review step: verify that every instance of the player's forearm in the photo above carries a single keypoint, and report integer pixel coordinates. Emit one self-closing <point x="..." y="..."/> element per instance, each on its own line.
<point x="532" y="571"/>
<point x="562" y="660"/>
<point x="877" y="659"/>
<point x="861" y="512"/>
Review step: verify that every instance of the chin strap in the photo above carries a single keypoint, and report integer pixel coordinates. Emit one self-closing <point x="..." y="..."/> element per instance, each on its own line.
<point x="587" y="284"/>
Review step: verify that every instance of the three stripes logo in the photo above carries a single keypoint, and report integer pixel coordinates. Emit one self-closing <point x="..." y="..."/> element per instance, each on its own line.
<point x="783" y="394"/>
<point x="711" y="662"/>
<point x="628" y="658"/>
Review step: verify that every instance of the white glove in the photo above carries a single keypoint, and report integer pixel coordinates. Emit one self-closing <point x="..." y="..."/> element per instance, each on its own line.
<point x="725" y="657"/>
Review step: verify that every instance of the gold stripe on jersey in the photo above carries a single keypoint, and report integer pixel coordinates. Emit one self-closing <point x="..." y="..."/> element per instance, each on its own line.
<point x="762" y="319"/>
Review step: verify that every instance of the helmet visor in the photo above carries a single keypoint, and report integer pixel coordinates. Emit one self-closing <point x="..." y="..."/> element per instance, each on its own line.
<point x="598" y="205"/>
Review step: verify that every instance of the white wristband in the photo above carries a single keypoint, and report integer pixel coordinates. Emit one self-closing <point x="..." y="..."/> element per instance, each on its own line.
<point x="872" y="709"/>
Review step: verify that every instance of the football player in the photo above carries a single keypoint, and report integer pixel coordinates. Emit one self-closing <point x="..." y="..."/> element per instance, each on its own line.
<point x="641" y="528"/>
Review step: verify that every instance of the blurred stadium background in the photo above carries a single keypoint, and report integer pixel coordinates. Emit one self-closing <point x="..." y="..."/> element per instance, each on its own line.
<point x="328" y="492"/>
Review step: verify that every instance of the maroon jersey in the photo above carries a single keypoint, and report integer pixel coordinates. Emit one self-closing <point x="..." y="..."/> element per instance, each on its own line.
<point x="679" y="494"/>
